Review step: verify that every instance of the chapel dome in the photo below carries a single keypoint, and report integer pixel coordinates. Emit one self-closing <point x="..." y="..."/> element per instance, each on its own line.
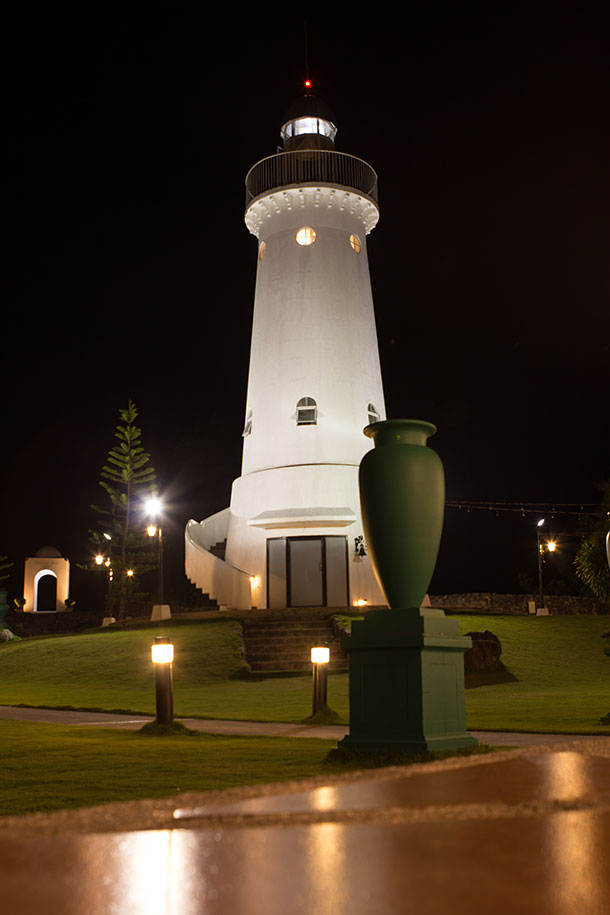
<point x="48" y="552"/>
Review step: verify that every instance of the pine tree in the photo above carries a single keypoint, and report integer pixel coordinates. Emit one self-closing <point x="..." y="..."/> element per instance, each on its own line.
<point x="591" y="561"/>
<point x="128" y="479"/>
<point x="4" y="565"/>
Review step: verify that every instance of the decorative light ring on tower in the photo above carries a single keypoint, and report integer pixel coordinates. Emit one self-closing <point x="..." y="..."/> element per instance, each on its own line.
<point x="355" y="243"/>
<point x="306" y="236"/>
<point x="266" y="208"/>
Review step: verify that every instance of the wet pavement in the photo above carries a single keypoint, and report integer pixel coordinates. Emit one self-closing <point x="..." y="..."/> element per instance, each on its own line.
<point x="523" y="831"/>
<point x="511" y="833"/>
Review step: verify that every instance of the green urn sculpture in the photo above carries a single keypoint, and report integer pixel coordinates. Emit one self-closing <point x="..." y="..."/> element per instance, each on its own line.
<point x="406" y="685"/>
<point x="402" y="495"/>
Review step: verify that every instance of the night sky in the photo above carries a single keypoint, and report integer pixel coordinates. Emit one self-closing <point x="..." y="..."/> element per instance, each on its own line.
<point x="132" y="273"/>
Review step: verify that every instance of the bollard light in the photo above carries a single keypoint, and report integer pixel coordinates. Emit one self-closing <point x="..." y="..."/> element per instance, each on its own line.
<point x="163" y="655"/>
<point x="320" y="656"/>
<point x="162" y="652"/>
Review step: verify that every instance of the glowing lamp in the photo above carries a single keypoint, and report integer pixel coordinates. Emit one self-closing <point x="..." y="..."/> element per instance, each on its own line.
<point x="551" y="546"/>
<point x="151" y="530"/>
<point x="99" y="560"/>
<point x="162" y="653"/>
<point x="320" y="655"/>
<point x="153" y="506"/>
<point x="129" y="573"/>
<point x="361" y="602"/>
<point x="308" y="84"/>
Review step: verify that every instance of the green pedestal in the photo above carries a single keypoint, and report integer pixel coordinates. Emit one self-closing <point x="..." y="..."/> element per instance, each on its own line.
<point x="406" y="682"/>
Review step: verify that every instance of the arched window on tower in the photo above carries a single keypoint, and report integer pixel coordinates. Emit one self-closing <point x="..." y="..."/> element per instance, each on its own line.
<point x="248" y="425"/>
<point x="307" y="412"/>
<point x="373" y="412"/>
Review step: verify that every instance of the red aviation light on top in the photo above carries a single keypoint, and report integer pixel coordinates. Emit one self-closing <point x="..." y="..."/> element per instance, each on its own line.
<point x="308" y="84"/>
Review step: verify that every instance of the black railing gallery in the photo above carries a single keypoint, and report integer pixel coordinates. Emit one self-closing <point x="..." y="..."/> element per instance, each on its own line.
<point x="310" y="166"/>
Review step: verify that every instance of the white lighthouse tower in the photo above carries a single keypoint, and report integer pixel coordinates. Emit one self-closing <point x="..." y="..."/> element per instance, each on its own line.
<point x="292" y="536"/>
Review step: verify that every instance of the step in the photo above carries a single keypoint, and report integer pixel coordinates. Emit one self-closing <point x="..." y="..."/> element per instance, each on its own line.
<point x="292" y="666"/>
<point x="284" y="643"/>
<point x="290" y="655"/>
<point x="311" y="636"/>
<point x="287" y="624"/>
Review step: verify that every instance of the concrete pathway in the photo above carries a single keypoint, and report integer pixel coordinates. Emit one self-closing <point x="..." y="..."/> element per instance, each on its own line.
<point x="262" y="728"/>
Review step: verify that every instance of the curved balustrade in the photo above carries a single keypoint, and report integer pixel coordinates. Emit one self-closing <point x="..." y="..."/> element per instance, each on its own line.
<point x="311" y="166"/>
<point x="222" y="581"/>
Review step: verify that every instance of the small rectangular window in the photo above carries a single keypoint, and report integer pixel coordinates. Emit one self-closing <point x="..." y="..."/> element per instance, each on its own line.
<point x="306" y="417"/>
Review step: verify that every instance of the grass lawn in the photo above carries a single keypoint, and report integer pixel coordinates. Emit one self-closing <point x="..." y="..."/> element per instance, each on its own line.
<point x="54" y="767"/>
<point x="563" y="675"/>
<point x="560" y="677"/>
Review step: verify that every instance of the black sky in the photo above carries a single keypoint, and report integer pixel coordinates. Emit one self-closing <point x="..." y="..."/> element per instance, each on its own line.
<point x="134" y="273"/>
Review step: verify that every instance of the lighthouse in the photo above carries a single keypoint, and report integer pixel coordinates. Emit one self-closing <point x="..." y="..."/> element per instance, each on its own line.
<point x="292" y="535"/>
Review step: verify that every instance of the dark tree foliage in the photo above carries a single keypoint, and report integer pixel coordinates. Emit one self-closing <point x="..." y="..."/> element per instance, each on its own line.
<point x="4" y="565"/>
<point x="128" y="480"/>
<point x="591" y="560"/>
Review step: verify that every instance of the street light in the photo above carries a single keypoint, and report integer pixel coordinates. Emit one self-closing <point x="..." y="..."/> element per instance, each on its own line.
<point x="320" y="656"/>
<point x="540" y="591"/>
<point x="106" y="560"/>
<point x="154" y="506"/>
<point x="551" y="546"/>
<point x="162" y="656"/>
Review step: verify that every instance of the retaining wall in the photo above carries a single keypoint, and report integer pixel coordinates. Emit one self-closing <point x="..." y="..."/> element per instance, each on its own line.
<point x="516" y="603"/>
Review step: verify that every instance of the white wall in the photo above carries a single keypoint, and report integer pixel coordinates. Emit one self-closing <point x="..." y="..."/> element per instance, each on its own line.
<point x="313" y="334"/>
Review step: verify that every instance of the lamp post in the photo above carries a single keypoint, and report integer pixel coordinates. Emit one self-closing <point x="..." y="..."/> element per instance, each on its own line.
<point x="153" y="530"/>
<point x="551" y="546"/>
<point x="103" y="560"/>
<point x="154" y="506"/>
<point x="540" y="589"/>
<point x="320" y="656"/>
<point x="163" y="655"/>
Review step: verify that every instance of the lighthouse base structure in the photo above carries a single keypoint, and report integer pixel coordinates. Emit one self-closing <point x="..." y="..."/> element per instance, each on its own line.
<point x="288" y="540"/>
<point x="406" y="683"/>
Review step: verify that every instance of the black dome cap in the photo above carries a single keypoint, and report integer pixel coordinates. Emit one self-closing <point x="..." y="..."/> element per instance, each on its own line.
<point x="308" y="106"/>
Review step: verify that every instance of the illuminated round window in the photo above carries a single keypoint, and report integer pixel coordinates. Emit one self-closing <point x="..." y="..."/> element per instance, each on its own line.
<point x="355" y="243"/>
<point x="306" y="236"/>
<point x="261" y="250"/>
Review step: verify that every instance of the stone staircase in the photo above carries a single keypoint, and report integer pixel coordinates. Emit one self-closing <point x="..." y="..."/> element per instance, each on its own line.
<point x="283" y="642"/>
<point x="219" y="549"/>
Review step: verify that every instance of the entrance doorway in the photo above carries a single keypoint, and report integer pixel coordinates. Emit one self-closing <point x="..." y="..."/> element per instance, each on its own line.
<point x="307" y="572"/>
<point x="46" y="593"/>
